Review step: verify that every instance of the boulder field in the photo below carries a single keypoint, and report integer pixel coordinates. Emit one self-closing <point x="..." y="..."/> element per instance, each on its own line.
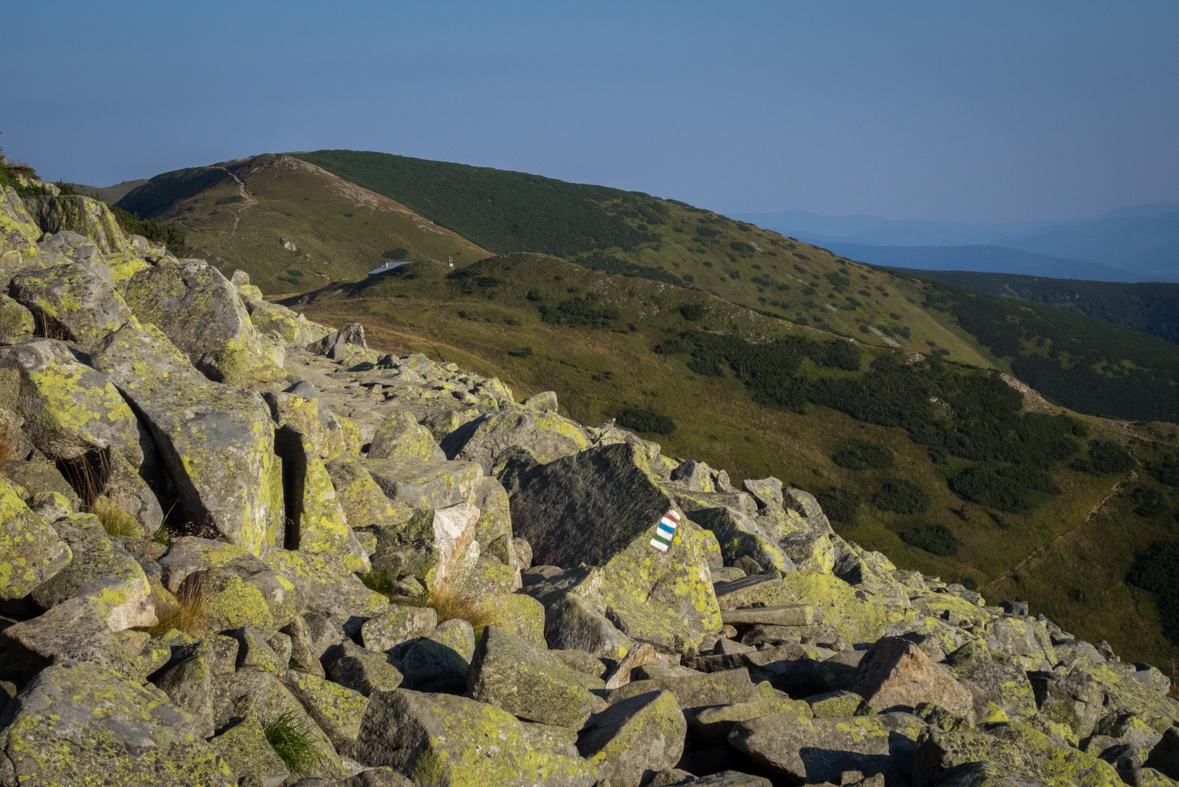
<point x="241" y="548"/>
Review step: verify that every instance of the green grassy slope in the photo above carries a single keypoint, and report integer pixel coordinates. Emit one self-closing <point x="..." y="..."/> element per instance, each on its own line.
<point x="340" y="230"/>
<point x="1152" y="308"/>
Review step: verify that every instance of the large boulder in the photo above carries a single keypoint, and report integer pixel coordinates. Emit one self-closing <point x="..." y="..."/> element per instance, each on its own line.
<point x="18" y="232"/>
<point x="466" y="743"/>
<point x="326" y="583"/>
<point x="76" y="302"/>
<point x="546" y="434"/>
<point x="68" y="407"/>
<point x="428" y="547"/>
<point x="363" y="500"/>
<point x="1000" y="689"/>
<point x="423" y="484"/>
<point x="896" y="675"/>
<point x="31" y="552"/>
<point x="634" y="738"/>
<point x="602" y="507"/>
<point x="75" y="630"/>
<point x="527" y="681"/>
<point x="200" y="311"/>
<point x="210" y="436"/>
<point x="82" y="215"/>
<point x="821" y="750"/>
<point x="83" y="724"/>
<point x="399" y="437"/>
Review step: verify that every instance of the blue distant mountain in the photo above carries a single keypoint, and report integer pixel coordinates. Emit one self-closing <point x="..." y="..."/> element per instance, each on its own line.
<point x="1139" y="243"/>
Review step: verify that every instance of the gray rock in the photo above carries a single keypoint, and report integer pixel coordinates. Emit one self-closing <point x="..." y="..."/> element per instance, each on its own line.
<point x="30" y="551"/>
<point x="74" y="302"/>
<point x="546" y="434"/>
<point x="634" y="737"/>
<point x="245" y="750"/>
<point x="896" y="675"/>
<point x="361" y="670"/>
<point x="74" y="630"/>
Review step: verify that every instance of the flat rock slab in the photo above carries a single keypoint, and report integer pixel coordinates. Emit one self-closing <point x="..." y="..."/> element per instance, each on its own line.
<point x="792" y="615"/>
<point x="83" y="724"/>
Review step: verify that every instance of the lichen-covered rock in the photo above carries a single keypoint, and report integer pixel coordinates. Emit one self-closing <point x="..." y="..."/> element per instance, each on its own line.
<point x="267" y="317"/>
<point x="546" y="434"/>
<point x="210" y="436"/>
<point x="100" y="570"/>
<point x="68" y="407"/>
<point x="262" y="694"/>
<point x="435" y="664"/>
<point x="127" y="490"/>
<point x="77" y="302"/>
<point x="527" y="681"/>
<point x="856" y="614"/>
<point x="189" y="684"/>
<point x="1000" y="689"/>
<point x="396" y="624"/>
<point x="18" y="231"/>
<point x="631" y="738"/>
<point x="81" y="724"/>
<point x="428" y="546"/>
<point x="400" y="438"/>
<point x="31" y="552"/>
<point x="315" y="520"/>
<point x="521" y="615"/>
<point x="82" y="215"/>
<point x="713" y="725"/>
<point x="249" y="755"/>
<point x="363" y="501"/>
<point x="821" y="750"/>
<point x="360" y="669"/>
<point x="240" y="589"/>
<point x="337" y="710"/>
<point x="468" y="743"/>
<point x="1011" y="752"/>
<point x="16" y="321"/>
<point x="695" y="690"/>
<point x="896" y="675"/>
<point x="74" y="630"/>
<point x="311" y="418"/>
<point x="1073" y="699"/>
<point x="601" y="507"/>
<point x="427" y="484"/>
<point x="1024" y="641"/>
<point x="201" y="313"/>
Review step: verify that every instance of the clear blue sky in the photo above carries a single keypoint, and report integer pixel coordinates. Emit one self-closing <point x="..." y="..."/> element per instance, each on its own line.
<point x="987" y="111"/>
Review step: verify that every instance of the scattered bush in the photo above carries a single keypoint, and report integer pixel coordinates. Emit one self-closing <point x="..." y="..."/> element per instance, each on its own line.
<point x="523" y="352"/>
<point x="291" y="738"/>
<point x="935" y="539"/>
<point x="1156" y="570"/>
<point x="396" y="254"/>
<point x="693" y="312"/>
<point x="171" y="236"/>
<point x="429" y="770"/>
<point x="230" y="200"/>
<point x="1105" y="457"/>
<point x="838" y="504"/>
<point x="646" y="421"/>
<point x="580" y="312"/>
<point x="451" y="606"/>
<point x="864" y="456"/>
<point x="1148" y="503"/>
<point x="902" y="497"/>
<point x="1005" y="488"/>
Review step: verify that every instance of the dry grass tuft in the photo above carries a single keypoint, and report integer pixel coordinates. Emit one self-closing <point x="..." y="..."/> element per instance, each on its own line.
<point x="452" y="606"/>
<point x="187" y="611"/>
<point x="115" y="521"/>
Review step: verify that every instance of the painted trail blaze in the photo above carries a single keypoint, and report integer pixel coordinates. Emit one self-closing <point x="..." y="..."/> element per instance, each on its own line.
<point x="665" y="531"/>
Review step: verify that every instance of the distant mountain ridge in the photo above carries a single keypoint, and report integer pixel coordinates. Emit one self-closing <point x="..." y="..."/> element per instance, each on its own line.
<point x="983" y="258"/>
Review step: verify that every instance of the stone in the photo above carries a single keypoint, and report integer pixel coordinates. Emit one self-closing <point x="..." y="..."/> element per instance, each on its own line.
<point x="634" y="737"/>
<point x="433" y="666"/>
<point x="546" y="434"/>
<point x="793" y="615"/>
<point x="712" y="726"/>
<point x="519" y="614"/>
<point x="527" y="681"/>
<point x="999" y="688"/>
<point x="255" y="653"/>
<point x="272" y="317"/>
<point x="30" y="551"/>
<point x="189" y="685"/>
<point x="200" y="312"/>
<point x="399" y="438"/>
<point x="838" y="704"/>
<point x="1023" y="640"/>
<point x="75" y="630"/>
<point x="336" y="709"/>
<point x="100" y="570"/>
<point x="246" y="751"/>
<point x="363" y="671"/>
<point x="697" y="690"/>
<point x="83" y="724"/>
<point x="636" y="657"/>
<point x="428" y="547"/>
<point x="1073" y="699"/>
<point x="18" y="231"/>
<point x="325" y="583"/>
<point x="68" y="408"/>
<point x="240" y="590"/>
<point x="127" y="490"/>
<point x="210" y="436"/>
<point x="544" y="402"/>
<point x="77" y="302"/>
<point x="467" y="743"/>
<point x="896" y="675"/>
<point x="364" y="502"/>
<point x="428" y="484"/>
<point x="84" y="216"/>
<point x="310" y="418"/>
<point x="315" y="519"/>
<point x="397" y="624"/>
<point x="822" y="750"/>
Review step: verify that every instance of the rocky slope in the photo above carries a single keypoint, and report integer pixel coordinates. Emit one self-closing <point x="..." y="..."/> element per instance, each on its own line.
<point x="201" y="488"/>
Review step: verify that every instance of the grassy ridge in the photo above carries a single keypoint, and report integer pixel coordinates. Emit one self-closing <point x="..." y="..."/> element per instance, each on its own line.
<point x="339" y="230"/>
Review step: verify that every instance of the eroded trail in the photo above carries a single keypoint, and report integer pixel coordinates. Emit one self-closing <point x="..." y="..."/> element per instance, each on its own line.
<point x="248" y="199"/>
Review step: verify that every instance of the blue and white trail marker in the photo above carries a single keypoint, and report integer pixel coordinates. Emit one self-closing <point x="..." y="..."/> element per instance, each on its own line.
<point x="665" y="531"/>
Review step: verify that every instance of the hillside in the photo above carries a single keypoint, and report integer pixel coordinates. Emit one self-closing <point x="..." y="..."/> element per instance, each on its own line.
<point x="110" y="194"/>
<point x="1151" y="308"/>
<point x="238" y="214"/>
<point x="990" y="259"/>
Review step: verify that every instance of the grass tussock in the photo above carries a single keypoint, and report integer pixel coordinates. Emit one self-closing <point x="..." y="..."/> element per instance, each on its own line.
<point x="292" y="740"/>
<point x="115" y="521"/>
<point x="187" y="611"/>
<point x="429" y="770"/>
<point x="452" y="606"/>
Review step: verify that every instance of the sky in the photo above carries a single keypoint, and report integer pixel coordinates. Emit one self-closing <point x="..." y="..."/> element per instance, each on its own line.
<point x="953" y="111"/>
